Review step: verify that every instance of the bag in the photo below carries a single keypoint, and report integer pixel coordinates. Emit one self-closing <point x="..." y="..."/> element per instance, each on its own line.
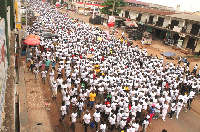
<point x="92" y="124"/>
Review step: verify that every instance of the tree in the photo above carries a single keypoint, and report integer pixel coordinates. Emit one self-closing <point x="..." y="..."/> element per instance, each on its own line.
<point x="109" y="6"/>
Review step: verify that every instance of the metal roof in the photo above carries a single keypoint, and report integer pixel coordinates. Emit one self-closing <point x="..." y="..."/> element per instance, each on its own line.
<point x="146" y="10"/>
<point x="186" y="17"/>
<point x="137" y="2"/>
<point x="100" y="1"/>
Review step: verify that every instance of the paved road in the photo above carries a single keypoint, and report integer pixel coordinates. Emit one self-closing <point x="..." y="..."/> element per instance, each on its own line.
<point x="187" y="122"/>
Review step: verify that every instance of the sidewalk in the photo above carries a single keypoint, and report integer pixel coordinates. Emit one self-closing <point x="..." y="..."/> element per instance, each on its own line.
<point x="33" y="116"/>
<point x="23" y="109"/>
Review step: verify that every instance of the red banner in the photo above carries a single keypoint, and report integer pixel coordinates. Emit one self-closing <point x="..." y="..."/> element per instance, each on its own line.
<point x="111" y="21"/>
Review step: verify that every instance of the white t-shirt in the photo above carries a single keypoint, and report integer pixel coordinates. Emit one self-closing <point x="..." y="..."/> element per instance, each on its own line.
<point x="97" y="117"/>
<point x="103" y="127"/>
<point x="54" y="86"/>
<point x="86" y="118"/>
<point x="67" y="100"/>
<point x="59" y="81"/>
<point x="44" y="73"/>
<point x="80" y="105"/>
<point x="73" y="116"/>
<point x="63" y="110"/>
<point x="36" y="72"/>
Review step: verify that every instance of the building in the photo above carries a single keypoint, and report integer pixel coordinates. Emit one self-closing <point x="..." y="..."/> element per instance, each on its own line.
<point x="72" y="4"/>
<point x="135" y="3"/>
<point x="6" y="25"/>
<point x="165" y="24"/>
<point x="161" y="7"/>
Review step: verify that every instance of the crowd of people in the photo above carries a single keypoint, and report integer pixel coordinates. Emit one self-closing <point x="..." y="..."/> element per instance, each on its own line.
<point x="96" y="73"/>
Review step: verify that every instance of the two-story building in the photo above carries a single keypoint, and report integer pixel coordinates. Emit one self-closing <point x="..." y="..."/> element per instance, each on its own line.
<point x="135" y="3"/>
<point x="164" y="24"/>
<point x="73" y="3"/>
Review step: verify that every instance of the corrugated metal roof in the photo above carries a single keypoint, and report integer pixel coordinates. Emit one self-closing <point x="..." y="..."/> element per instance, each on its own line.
<point x="186" y="17"/>
<point x="137" y="2"/>
<point x="146" y="10"/>
<point x="100" y="1"/>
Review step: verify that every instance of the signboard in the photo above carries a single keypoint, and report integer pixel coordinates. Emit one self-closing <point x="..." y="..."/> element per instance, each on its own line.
<point x="3" y="65"/>
<point x="57" y="4"/>
<point x="111" y="21"/>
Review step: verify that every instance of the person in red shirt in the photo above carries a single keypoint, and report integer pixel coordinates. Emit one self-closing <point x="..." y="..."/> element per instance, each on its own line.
<point x="102" y="58"/>
<point x="80" y="56"/>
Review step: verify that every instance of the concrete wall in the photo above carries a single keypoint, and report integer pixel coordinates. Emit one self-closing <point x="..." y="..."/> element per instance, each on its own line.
<point x="122" y="12"/>
<point x="189" y="27"/>
<point x="166" y="22"/>
<point x="155" y="19"/>
<point x="181" y="22"/>
<point x="144" y="17"/>
<point x="133" y="15"/>
<point x="3" y="65"/>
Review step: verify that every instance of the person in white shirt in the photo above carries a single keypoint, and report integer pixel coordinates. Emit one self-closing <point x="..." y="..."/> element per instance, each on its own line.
<point x="119" y="117"/>
<point x="80" y="106"/>
<point x="51" y="74"/>
<point x="164" y="110"/>
<point x="36" y="71"/>
<point x="66" y="99"/>
<point x="185" y="100"/>
<point x="54" y="90"/>
<point x="145" y="123"/>
<point x="122" y="124"/>
<point x="96" y="118"/>
<point x="179" y="107"/>
<point x="86" y="119"/>
<point x="112" y="120"/>
<point x="63" y="112"/>
<point x="173" y="108"/>
<point x="73" y="119"/>
<point x="44" y="73"/>
<point x="103" y="127"/>
<point x="59" y="81"/>
<point x="100" y="93"/>
<point x="157" y="110"/>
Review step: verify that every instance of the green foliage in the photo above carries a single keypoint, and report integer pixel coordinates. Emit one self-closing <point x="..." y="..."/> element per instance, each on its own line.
<point x="109" y="5"/>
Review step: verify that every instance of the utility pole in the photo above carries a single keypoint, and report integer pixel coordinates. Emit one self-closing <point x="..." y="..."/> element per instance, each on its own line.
<point x="93" y="12"/>
<point x="112" y="11"/>
<point x="84" y="8"/>
<point x="113" y="7"/>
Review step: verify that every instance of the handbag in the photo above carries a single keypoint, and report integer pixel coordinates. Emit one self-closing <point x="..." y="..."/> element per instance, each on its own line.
<point x="92" y="124"/>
